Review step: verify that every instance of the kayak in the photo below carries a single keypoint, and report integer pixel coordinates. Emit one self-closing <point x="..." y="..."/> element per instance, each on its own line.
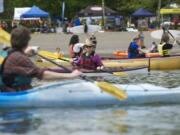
<point x="124" y="54"/>
<point x="154" y="63"/>
<point x="80" y="93"/>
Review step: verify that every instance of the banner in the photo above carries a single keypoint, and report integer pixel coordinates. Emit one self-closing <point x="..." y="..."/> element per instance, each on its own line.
<point x="1" y="6"/>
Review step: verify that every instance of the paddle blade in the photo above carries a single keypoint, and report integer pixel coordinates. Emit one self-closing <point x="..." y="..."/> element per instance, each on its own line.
<point x="48" y="54"/>
<point x="120" y="73"/>
<point x="113" y="90"/>
<point x="4" y="37"/>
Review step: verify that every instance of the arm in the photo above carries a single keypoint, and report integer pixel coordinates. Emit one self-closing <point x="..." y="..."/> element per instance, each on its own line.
<point x="98" y="61"/>
<point x="49" y="75"/>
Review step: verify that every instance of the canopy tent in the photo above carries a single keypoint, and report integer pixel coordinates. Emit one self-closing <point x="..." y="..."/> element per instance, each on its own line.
<point x="19" y="11"/>
<point x="172" y="8"/>
<point x="35" y="12"/>
<point x="142" y="13"/>
<point x="96" y="11"/>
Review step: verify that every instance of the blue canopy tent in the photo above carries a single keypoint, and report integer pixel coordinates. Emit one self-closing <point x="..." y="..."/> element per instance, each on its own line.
<point x="35" y="12"/>
<point x="142" y="13"/>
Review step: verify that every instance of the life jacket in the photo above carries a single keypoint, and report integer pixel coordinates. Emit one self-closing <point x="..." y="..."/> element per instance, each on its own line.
<point x="11" y="80"/>
<point x="87" y="62"/>
<point x="164" y="49"/>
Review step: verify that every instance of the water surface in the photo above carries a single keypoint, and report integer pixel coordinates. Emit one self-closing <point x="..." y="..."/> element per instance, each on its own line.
<point x="105" y="120"/>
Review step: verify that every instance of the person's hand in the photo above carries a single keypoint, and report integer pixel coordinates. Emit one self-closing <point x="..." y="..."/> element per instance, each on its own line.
<point x="100" y="68"/>
<point x="76" y="73"/>
<point x="31" y="50"/>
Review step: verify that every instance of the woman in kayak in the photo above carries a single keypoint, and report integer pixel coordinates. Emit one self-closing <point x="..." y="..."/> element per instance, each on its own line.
<point x="164" y="47"/>
<point x="18" y="70"/>
<point x="74" y="40"/>
<point x="89" y="59"/>
<point x="135" y="51"/>
<point x="78" y="49"/>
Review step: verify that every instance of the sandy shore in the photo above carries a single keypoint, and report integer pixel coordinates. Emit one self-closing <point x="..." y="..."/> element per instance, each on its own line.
<point x="107" y="41"/>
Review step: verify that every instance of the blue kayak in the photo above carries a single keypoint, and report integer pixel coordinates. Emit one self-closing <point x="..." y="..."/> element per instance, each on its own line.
<point x="80" y="93"/>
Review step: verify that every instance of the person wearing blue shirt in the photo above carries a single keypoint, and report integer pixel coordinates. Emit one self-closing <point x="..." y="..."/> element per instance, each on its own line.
<point x="134" y="51"/>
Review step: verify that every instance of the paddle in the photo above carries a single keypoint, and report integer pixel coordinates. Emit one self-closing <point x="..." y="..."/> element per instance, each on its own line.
<point x="105" y="86"/>
<point x="54" y="56"/>
<point x="173" y="36"/>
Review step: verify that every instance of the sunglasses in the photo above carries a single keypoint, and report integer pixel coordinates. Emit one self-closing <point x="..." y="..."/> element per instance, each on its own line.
<point x="92" y="38"/>
<point x="90" y="47"/>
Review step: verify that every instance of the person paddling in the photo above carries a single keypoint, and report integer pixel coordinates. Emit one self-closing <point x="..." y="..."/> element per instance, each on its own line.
<point x="89" y="59"/>
<point x="74" y="40"/>
<point x="164" y="47"/>
<point x="135" y="51"/>
<point x="17" y="70"/>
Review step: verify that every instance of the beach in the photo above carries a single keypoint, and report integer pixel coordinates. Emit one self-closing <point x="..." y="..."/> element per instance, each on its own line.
<point x="107" y="42"/>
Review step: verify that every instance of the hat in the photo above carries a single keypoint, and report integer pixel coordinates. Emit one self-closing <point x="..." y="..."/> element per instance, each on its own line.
<point x="89" y="43"/>
<point x="77" y="47"/>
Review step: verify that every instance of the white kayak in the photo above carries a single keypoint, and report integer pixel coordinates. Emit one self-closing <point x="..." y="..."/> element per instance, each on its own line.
<point x="80" y="93"/>
<point x="80" y="29"/>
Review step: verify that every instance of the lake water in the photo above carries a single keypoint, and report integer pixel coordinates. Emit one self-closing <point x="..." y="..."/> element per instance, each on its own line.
<point x="111" y="120"/>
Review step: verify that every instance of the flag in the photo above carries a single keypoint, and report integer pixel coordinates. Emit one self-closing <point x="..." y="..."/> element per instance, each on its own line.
<point x="1" y="6"/>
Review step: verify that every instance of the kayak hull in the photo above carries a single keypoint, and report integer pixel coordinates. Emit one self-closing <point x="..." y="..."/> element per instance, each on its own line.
<point x="155" y="63"/>
<point x="79" y="93"/>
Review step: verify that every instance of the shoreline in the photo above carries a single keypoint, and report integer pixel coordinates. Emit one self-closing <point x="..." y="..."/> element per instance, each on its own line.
<point x="107" y="42"/>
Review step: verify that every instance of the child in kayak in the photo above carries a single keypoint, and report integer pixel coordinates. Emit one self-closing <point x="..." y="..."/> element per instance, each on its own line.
<point x="135" y="51"/>
<point x="17" y="70"/>
<point x="89" y="59"/>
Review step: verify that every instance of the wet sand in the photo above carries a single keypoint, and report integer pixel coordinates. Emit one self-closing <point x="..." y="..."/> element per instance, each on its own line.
<point x="107" y="41"/>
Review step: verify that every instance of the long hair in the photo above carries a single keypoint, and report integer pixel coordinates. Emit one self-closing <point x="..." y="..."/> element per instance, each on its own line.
<point x="74" y="39"/>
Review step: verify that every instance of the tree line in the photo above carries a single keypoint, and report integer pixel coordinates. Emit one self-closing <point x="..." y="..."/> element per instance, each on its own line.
<point x="123" y="7"/>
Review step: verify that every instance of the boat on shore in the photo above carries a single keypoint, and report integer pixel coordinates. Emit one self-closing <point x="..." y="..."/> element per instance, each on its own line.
<point x="80" y="93"/>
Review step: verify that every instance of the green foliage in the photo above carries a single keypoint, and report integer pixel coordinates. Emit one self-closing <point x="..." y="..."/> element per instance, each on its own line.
<point x="124" y="7"/>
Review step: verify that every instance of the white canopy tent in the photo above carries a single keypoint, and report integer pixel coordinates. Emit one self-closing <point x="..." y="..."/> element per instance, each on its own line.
<point x="19" y="11"/>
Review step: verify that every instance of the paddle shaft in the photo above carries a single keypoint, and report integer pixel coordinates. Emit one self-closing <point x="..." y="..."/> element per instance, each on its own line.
<point x="165" y="29"/>
<point x="66" y="69"/>
<point x="173" y="37"/>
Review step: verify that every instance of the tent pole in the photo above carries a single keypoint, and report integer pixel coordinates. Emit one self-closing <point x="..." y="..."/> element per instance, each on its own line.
<point x="63" y="10"/>
<point x="158" y="13"/>
<point x="103" y="15"/>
